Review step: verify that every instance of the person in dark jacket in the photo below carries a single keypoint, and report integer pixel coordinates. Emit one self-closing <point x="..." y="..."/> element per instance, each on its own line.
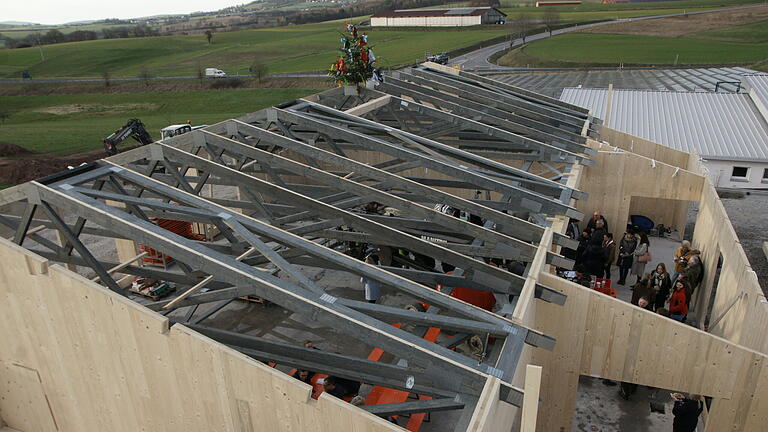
<point x="592" y="224"/>
<point x="599" y="231"/>
<point x="686" y="412"/>
<point x="626" y="249"/>
<point x="594" y="258"/>
<point x="661" y="283"/>
<point x="573" y="233"/>
<point x="609" y="246"/>
<point x="583" y="243"/>
<point x="304" y="376"/>
<point x="644" y="289"/>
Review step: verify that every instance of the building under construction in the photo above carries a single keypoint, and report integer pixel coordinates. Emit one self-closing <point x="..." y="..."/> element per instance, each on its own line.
<point x="255" y="232"/>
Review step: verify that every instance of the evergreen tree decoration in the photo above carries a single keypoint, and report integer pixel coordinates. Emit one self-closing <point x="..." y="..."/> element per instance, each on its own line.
<point x="356" y="62"/>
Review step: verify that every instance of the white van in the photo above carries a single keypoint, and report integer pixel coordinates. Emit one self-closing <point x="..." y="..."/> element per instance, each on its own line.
<point x="214" y="73"/>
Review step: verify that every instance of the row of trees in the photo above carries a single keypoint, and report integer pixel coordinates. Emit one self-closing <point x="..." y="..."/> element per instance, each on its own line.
<point x="56" y="36"/>
<point x="524" y="23"/>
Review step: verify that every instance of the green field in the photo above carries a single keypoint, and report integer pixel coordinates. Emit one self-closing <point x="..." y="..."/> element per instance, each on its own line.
<point x="754" y="33"/>
<point x="744" y="44"/>
<point x="66" y="124"/>
<point x="310" y="47"/>
<point x="648" y="50"/>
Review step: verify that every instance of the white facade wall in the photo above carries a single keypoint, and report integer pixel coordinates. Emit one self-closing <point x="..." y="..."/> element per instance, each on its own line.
<point x="721" y="174"/>
<point x="442" y="21"/>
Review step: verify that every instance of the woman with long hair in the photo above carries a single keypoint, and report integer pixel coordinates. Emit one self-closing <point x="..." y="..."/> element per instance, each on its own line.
<point x="661" y="283"/>
<point x="640" y="256"/>
<point x="678" y="307"/>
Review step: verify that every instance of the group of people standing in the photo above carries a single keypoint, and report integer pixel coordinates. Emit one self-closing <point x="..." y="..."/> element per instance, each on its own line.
<point x="657" y="291"/>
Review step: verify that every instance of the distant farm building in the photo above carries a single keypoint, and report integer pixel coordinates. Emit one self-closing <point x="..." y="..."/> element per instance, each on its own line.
<point x="454" y="17"/>
<point x="558" y="3"/>
<point x="630" y="1"/>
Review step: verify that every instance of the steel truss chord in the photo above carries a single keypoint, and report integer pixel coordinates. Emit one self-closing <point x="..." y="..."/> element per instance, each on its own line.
<point x="479" y="271"/>
<point x="433" y="147"/>
<point x="488" y="114"/>
<point x="474" y="92"/>
<point x="420" y="406"/>
<point x="323" y="308"/>
<point x="535" y="202"/>
<point x="505" y="223"/>
<point x="492" y="126"/>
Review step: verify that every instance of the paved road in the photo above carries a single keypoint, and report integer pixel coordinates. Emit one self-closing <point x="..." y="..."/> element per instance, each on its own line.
<point x="478" y="60"/>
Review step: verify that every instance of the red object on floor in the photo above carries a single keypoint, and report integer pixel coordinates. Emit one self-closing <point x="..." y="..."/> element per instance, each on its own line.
<point x="382" y="395"/>
<point x="181" y="228"/>
<point x="479" y="298"/>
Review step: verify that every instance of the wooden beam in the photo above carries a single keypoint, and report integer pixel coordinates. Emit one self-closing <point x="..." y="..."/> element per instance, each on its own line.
<point x="122" y="265"/>
<point x="371" y="105"/>
<point x="531" y="398"/>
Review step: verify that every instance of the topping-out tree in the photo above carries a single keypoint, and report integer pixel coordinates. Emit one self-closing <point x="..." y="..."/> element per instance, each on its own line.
<point x="356" y="62"/>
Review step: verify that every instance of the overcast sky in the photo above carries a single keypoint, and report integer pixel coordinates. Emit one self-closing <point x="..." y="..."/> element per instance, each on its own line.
<point x="59" y="12"/>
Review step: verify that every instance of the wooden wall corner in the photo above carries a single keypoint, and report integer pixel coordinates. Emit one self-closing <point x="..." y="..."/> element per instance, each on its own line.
<point x="36" y="265"/>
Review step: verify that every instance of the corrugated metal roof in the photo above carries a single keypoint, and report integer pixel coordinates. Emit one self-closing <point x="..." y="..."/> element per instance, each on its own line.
<point x="758" y="84"/>
<point x="723" y="126"/>
<point x="700" y="79"/>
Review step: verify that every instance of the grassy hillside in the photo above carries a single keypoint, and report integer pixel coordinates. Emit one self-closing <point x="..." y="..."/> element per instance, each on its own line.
<point x="288" y="49"/>
<point x="73" y="123"/>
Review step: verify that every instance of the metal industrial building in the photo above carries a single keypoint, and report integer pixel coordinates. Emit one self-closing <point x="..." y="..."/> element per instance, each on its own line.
<point x="454" y="17"/>
<point x="728" y="130"/>
<point x="281" y="189"/>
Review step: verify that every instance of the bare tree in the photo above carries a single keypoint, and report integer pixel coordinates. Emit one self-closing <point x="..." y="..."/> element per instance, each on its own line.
<point x="209" y="36"/>
<point x="145" y="76"/>
<point x="107" y="77"/>
<point x="551" y="17"/>
<point x="522" y="25"/>
<point x="258" y="69"/>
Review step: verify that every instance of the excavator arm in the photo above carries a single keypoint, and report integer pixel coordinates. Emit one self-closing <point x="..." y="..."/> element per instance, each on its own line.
<point x="134" y="128"/>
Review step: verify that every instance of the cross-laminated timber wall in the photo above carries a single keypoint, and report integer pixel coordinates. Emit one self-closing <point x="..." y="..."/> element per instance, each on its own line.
<point x="601" y="336"/>
<point x="77" y="357"/>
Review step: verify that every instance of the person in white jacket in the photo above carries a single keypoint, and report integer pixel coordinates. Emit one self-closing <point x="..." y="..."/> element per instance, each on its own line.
<point x="640" y="257"/>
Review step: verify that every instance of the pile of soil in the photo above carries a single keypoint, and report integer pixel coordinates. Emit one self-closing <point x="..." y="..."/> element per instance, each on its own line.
<point x="8" y="149"/>
<point x="22" y="169"/>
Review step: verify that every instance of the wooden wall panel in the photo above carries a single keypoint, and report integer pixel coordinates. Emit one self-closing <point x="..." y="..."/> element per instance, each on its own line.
<point x="106" y="363"/>
<point x="601" y="336"/>
<point x="644" y="147"/>
<point x="740" y="305"/>
<point x="619" y="178"/>
<point x="492" y="415"/>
